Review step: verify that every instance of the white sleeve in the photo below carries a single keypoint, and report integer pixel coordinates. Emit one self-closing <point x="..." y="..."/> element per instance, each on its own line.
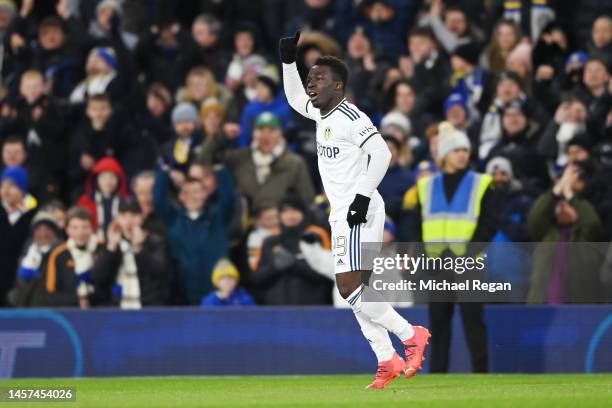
<point x="380" y="156"/>
<point x="294" y="91"/>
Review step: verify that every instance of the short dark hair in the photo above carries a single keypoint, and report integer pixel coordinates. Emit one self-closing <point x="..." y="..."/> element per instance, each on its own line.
<point x="78" y="213"/>
<point x="423" y="32"/>
<point x="13" y="139"/>
<point x="99" y="98"/>
<point x="337" y="66"/>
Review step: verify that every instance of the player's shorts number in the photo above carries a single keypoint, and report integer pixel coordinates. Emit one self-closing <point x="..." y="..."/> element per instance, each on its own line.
<point x="339" y="245"/>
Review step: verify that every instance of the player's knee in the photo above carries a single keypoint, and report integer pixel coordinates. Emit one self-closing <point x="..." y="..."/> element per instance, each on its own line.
<point x="346" y="288"/>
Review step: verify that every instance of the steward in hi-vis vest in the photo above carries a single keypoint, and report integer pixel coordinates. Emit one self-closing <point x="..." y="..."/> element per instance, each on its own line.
<point x="455" y="207"/>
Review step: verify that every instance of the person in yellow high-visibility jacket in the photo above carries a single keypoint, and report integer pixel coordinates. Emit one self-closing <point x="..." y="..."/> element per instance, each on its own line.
<point x="454" y="207"/>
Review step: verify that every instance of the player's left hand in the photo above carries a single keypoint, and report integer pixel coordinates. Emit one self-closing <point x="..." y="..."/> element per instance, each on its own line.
<point x="358" y="210"/>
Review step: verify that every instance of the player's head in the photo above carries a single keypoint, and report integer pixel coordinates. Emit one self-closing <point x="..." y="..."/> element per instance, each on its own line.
<point x="326" y="81"/>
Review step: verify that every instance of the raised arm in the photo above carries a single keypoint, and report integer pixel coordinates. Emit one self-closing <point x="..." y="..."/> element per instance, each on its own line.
<point x="292" y="83"/>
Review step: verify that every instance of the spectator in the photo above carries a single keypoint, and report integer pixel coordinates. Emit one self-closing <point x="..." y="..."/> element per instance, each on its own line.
<point x="225" y="279"/>
<point x="179" y="153"/>
<point x="387" y="22"/>
<point x="15" y="218"/>
<point x="107" y="24"/>
<point x="367" y="68"/>
<point x="104" y="188"/>
<point x="519" y="61"/>
<point x="160" y="54"/>
<point x="45" y="234"/>
<point x="508" y="259"/>
<point x="68" y="280"/>
<point x="14" y="154"/>
<point x="450" y="25"/>
<point x="245" y="51"/>
<point x="471" y="80"/>
<point x="397" y="126"/>
<point x="401" y="97"/>
<point x="430" y="69"/>
<point x="601" y="36"/>
<point x="283" y="276"/>
<point x="199" y="221"/>
<point x="133" y="265"/>
<point x="142" y="187"/>
<point x="565" y="273"/>
<point x="268" y="98"/>
<point x="204" y="48"/>
<point x="508" y="88"/>
<point x="266" y="171"/>
<point x="457" y="113"/>
<point x="395" y="183"/>
<point x="595" y="93"/>
<point x="58" y="50"/>
<point x="518" y="144"/>
<point x="314" y="15"/>
<point x="102" y="133"/>
<point x="212" y="114"/>
<point x="39" y="120"/>
<point x="569" y="120"/>
<point x="101" y="76"/>
<point x="243" y="84"/>
<point x="506" y="36"/>
<point x="200" y="84"/>
<point x="266" y="224"/>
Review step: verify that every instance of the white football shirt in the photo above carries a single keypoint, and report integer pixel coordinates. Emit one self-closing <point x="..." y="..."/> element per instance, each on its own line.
<point x="342" y="163"/>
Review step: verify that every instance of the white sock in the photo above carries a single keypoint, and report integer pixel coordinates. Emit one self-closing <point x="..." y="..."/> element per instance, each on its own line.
<point x="380" y="312"/>
<point x="377" y="337"/>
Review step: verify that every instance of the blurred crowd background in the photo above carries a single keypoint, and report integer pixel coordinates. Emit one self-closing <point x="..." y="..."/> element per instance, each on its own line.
<point x="150" y="157"/>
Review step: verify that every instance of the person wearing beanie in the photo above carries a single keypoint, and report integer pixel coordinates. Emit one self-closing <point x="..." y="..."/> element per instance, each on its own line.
<point x="441" y="195"/>
<point x="45" y="234"/>
<point x="102" y="76"/>
<point x="212" y="114"/>
<point x="179" y="153"/>
<point x="470" y="80"/>
<point x="15" y="218"/>
<point x="268" y="98"/>
<point x="225" y="279"/>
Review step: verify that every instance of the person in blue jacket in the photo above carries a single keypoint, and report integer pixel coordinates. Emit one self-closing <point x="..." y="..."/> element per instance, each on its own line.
<point x="268" y="98"/>
<point x="225" y="278"/>
<point x="198" y="228"/>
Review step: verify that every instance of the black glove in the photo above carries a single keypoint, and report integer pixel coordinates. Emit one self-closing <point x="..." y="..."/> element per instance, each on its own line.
<point x="311" y="237"/>
<point x="288" y="48"/>
<point x="358" y="210"/>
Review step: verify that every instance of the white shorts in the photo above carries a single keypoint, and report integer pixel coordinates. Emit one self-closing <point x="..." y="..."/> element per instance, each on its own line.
<point x="347" y="242"/>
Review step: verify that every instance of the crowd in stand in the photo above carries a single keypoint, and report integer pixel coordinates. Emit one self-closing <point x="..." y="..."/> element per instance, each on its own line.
<point x="149" y="155"/>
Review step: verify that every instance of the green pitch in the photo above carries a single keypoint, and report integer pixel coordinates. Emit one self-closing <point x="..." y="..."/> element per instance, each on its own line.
<point x="468" y="391"/>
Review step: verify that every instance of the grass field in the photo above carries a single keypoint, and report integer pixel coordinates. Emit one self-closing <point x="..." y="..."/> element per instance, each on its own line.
<point x="495" y="391"/>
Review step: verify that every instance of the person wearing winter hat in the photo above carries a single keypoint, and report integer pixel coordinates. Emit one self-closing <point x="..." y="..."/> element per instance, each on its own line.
<point x="179" y="153"/>
<point x="45" y="234"/>
<point x="15" y="220"/>
<point x="470" y="80"/>
<point x="447" y="223"/>
<point x="101" y="75"/>
<point x="225" y="278"/>
<point x="15" y="196"/>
